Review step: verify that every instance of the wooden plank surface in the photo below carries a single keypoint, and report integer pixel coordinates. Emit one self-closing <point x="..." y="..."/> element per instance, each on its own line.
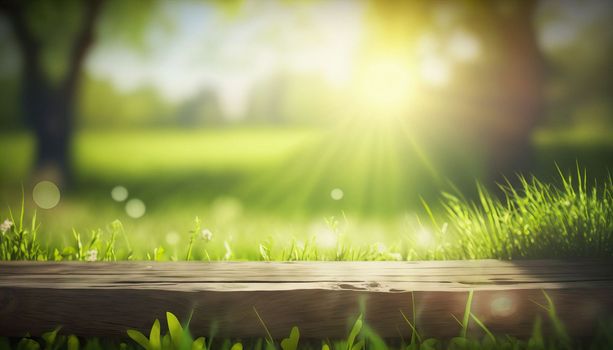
<point x="322" y="298"/>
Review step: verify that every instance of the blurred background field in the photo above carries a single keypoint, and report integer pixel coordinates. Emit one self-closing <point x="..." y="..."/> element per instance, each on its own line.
<point x="265" y="118"/>
<point x="250" y="186"/>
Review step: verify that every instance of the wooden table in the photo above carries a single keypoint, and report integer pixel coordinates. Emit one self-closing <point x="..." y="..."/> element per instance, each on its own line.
<point x="321" y="298"/>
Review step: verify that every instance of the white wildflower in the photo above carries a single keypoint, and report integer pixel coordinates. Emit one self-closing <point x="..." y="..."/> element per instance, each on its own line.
<point x="206" y="235"/>
<point x="91" y="255"/>
<point x="6" y="226"/>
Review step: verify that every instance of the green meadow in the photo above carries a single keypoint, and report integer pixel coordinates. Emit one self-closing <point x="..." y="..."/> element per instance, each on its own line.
<point x="280" y="187"/>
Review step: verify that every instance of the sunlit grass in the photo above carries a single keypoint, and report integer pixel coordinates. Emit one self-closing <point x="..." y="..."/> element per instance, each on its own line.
<point x="119" y="154"/>
<point x="251" y="185"/>
<point x="537" y="220"/>
<point x="179" y="151"/>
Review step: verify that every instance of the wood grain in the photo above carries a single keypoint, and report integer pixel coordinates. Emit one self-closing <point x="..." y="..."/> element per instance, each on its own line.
<point x="322" y="298"/>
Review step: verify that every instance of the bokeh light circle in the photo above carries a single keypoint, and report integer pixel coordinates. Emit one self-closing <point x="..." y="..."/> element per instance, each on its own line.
<point x="337" y="194"/>
<point x="135" y="208"/>
<point x="172" y="238"/>
<point x="503" y="306"/>
<point x="46" y="194"/>
<point x="119" y="193"/>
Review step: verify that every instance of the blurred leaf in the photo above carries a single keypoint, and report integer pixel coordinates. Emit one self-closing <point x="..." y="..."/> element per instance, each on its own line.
<point x="291" y="343"/>
<point x="355" y="330"/>
<point x="28" y="344"/>
<point x="175" y="329"/>
<point x="154" y="336"/>
<point x="139" y="338"/>
<point x="167" y="342"/>
<point x="50" y="338"/>
<point x="198" y="344"/>
<point x="359" y="345"/>
<point x="429" y="344"/>
<point x="73" y="342"/>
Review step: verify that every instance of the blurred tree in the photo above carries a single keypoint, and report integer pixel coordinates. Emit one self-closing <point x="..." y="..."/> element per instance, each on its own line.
<point x="579" y="93"/>
<point x="499" y="100"/>
<point x="201" y="109"/>
<point x="48" y="105"/>
<point x="101" y="105"/>
<point x="54" y="39"/>
<point x="513" y="81"/>
<point x="268" y="101"/>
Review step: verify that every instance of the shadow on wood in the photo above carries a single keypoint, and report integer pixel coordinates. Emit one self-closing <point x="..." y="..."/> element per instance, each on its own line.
<point x="321" y="298"/>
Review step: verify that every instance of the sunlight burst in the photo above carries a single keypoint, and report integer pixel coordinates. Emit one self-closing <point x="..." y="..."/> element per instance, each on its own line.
<point x="435" y="71"/>
<point x="386" y="87"/>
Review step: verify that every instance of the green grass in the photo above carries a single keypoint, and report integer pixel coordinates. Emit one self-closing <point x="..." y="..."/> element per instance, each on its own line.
<point x="266" y="184"/>
<point x="117" y="155"/>
<point x="537" y="220"/>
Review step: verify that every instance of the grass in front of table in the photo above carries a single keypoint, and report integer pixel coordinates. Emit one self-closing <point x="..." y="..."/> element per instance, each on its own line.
<point x="360" y="337"/>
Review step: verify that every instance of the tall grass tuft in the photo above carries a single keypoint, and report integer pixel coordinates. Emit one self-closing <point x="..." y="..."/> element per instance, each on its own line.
<point x="18" y="241"/>
<point x="536" y="220"/>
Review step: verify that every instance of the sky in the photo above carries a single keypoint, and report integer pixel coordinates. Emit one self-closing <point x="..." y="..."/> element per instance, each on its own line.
<point x="208" y="48"/>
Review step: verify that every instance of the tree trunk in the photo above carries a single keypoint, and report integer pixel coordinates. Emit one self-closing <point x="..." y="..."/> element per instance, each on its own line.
<point x="49" y="108"/>
<point x="53" y="131"/>
<point x="519" y="74"/>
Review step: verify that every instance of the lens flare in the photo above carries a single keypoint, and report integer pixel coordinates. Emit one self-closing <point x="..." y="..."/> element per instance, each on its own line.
<point x="172" y="238"/>
<point x="502" y="306"/>
<point x="435" y="71"/>
<point x="424" y="238"/>
<point x="337" y="194"/>
<point x="135" y="208"/>
<point x="119" y="193"/>
<point x="46" y="194"/>
<point x="386" y="87"/>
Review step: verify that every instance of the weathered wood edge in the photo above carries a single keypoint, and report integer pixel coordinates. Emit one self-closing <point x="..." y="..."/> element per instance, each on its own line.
<point x="37" y="302"/>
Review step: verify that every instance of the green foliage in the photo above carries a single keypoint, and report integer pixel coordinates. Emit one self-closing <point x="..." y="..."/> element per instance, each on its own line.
<point x="360" y="337"/>
<point x="355" y="330"/>
<point x="19" y="242"/>
<point x="536" y="220"/>
<point x="177" y="337"/>
<point x="28" y="344"/>
<point x="52" y="340"/>
<point x="73" y="343"/>
<point x="291" y="342"/>
<point x="102" y="106"/>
